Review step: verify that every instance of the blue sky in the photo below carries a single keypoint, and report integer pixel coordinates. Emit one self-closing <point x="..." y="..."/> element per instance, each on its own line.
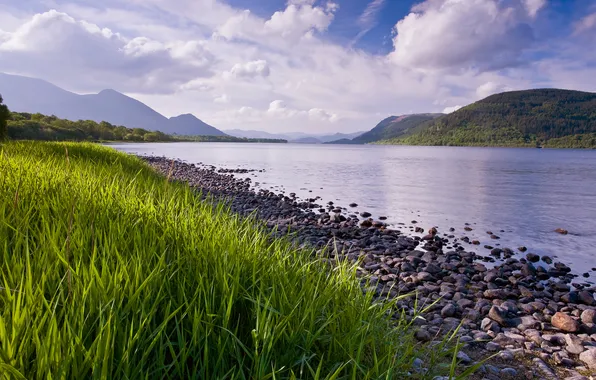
<point x="311" y="65"/>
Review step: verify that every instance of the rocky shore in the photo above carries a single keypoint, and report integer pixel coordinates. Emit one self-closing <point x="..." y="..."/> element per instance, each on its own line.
<point x="517" y="305"/>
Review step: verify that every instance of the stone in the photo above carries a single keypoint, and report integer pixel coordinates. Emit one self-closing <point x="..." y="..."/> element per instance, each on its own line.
<point x="499" y="315"/>
<point x="586" y="298"/>
<point x="532" y="257"/>
<point x="589" y="358"/>
<point x="561" y="231"/>
<point x="509" y="372"/>
<point x="423" y="335"/>
<point x="496" y="294"/>
<point x="463" y="357"/>
<point x="365" y="214"/>
<point x="448" y="310"/>
<point x="574" y="344"/>
<point x="588" y="316"/>
<point x="545" y="369"/>
<point x="564" y="322"/>
<point x="488" y="324"/>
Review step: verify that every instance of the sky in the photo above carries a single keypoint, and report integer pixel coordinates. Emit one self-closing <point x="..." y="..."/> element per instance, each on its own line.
<point x="301" y="65"/>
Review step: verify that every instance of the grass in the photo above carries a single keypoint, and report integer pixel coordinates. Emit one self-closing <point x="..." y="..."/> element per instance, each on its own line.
<point x="108" y="270"/>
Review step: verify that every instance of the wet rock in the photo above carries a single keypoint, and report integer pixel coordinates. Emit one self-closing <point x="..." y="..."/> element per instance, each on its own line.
<point x="353" y="204"/>
<point x="564" y="322"/>
<point x="522" y="249"/>
<point x="561" y="231"/>
<point x="547" y="259"/>
<point x="586" y="298"/>
<point x="532" y="257"/>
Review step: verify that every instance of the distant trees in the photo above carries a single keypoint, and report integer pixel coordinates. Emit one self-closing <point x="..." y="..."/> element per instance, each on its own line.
<point x="4" y="115"/>
<point x="26" y="126"/>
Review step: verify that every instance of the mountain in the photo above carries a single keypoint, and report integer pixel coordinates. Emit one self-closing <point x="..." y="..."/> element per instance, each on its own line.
<point x="307" y="140"/>
<point x="252" y="134"/>
<point x="296" y="137"/>
<point x="391" y="127"/>
<point x="23" y="94"/>
<point x="544" y="117"/>
<point x="190" y="125"/>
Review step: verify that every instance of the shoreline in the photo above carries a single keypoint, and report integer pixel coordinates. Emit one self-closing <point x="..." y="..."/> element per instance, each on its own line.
<point x="516" y="308"/>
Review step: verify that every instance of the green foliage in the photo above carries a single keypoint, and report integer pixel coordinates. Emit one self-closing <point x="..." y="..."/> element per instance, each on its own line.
<point x="25" y="126"/>
<point x="4" y="115"/>
<point x="520" y="118"/>
<point x="393" y="127"/>
<point x="108" y="270"/>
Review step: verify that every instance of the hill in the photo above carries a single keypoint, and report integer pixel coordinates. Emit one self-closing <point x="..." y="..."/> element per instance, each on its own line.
<point x="31" y="95"/>
<point x="189" y="124"/>
<point x="543" y="117"/>
<point x="391" y="127"/>
<point x="26" y="126"/>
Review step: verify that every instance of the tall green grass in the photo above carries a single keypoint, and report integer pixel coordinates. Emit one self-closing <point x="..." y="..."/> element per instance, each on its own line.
<point x="108" y="270"/>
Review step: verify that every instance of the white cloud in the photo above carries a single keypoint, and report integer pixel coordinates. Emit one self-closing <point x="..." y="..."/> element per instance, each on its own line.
<point x="457" y="34"/>
<point x="586" y="24"/>
<point x="451" y="109"/>
<point x="534" y="6"/>
<point x="322" y="115"/>
<point x="251" y="69"/>
<point x="222" y="99"/>
<point x="55" y="46"/>
<point x="490" y="88"/>
<point x="300" y="19"/>
<point x="368" y="18"/>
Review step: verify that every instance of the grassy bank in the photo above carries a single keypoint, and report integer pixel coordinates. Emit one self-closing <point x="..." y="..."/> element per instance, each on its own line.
<point x="110" y="271"/>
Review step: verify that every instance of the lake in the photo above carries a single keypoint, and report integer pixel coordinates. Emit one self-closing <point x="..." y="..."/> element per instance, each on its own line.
<point x="526" y="193"/>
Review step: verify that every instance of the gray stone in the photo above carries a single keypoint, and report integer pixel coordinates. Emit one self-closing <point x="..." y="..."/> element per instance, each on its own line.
<point x="589" y="358"/>
<point x="586" y="298"/>
<point x="493" y="347"/>
<point x="463" y="357"/>
<point x="500" y="316"/>
<point x="545" y="369"/>
<point x="588" y="316"/>
<point x="574" y="344"/>
<point x="509" y="372"/>
<point x="448" y="311"/>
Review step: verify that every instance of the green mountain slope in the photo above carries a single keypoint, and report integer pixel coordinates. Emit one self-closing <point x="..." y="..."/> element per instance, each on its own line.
<point x="546" y="117"/>
<point x="391" y="127"/>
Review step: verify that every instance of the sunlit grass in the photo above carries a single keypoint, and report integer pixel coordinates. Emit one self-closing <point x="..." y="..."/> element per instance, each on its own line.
<point x="110" y="271"/>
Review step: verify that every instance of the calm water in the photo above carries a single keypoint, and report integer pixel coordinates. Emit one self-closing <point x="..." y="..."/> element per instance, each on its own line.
<point x="528" y="193"/>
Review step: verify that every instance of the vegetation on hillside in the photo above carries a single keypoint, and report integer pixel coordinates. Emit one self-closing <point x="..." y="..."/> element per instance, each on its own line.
<point x="4" y="116"/>
<point x="26" y="126"/>
<point x="546" y="117"/>
<point x="393" y="127"/>
<point x="110" y="271"/>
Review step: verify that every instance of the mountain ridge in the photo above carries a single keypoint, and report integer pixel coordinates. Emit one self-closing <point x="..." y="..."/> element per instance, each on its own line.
<point x="538" y="117"/>
<point x="25" y="94"/>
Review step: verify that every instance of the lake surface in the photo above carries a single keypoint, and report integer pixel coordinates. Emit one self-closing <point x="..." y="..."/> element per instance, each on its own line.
<point x="527" y="193"/>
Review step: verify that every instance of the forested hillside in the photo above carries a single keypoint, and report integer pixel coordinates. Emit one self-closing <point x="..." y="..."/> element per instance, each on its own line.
<point x="545" y="117"/>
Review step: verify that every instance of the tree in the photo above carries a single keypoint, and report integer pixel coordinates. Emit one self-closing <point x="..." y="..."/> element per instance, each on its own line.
<point x="4" y="115"/>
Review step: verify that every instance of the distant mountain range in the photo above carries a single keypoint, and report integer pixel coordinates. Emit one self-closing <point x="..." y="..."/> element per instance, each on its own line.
<point x="294" y="137"/>
<point x="23" y="94"/>
<point x="541" y="117"/>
